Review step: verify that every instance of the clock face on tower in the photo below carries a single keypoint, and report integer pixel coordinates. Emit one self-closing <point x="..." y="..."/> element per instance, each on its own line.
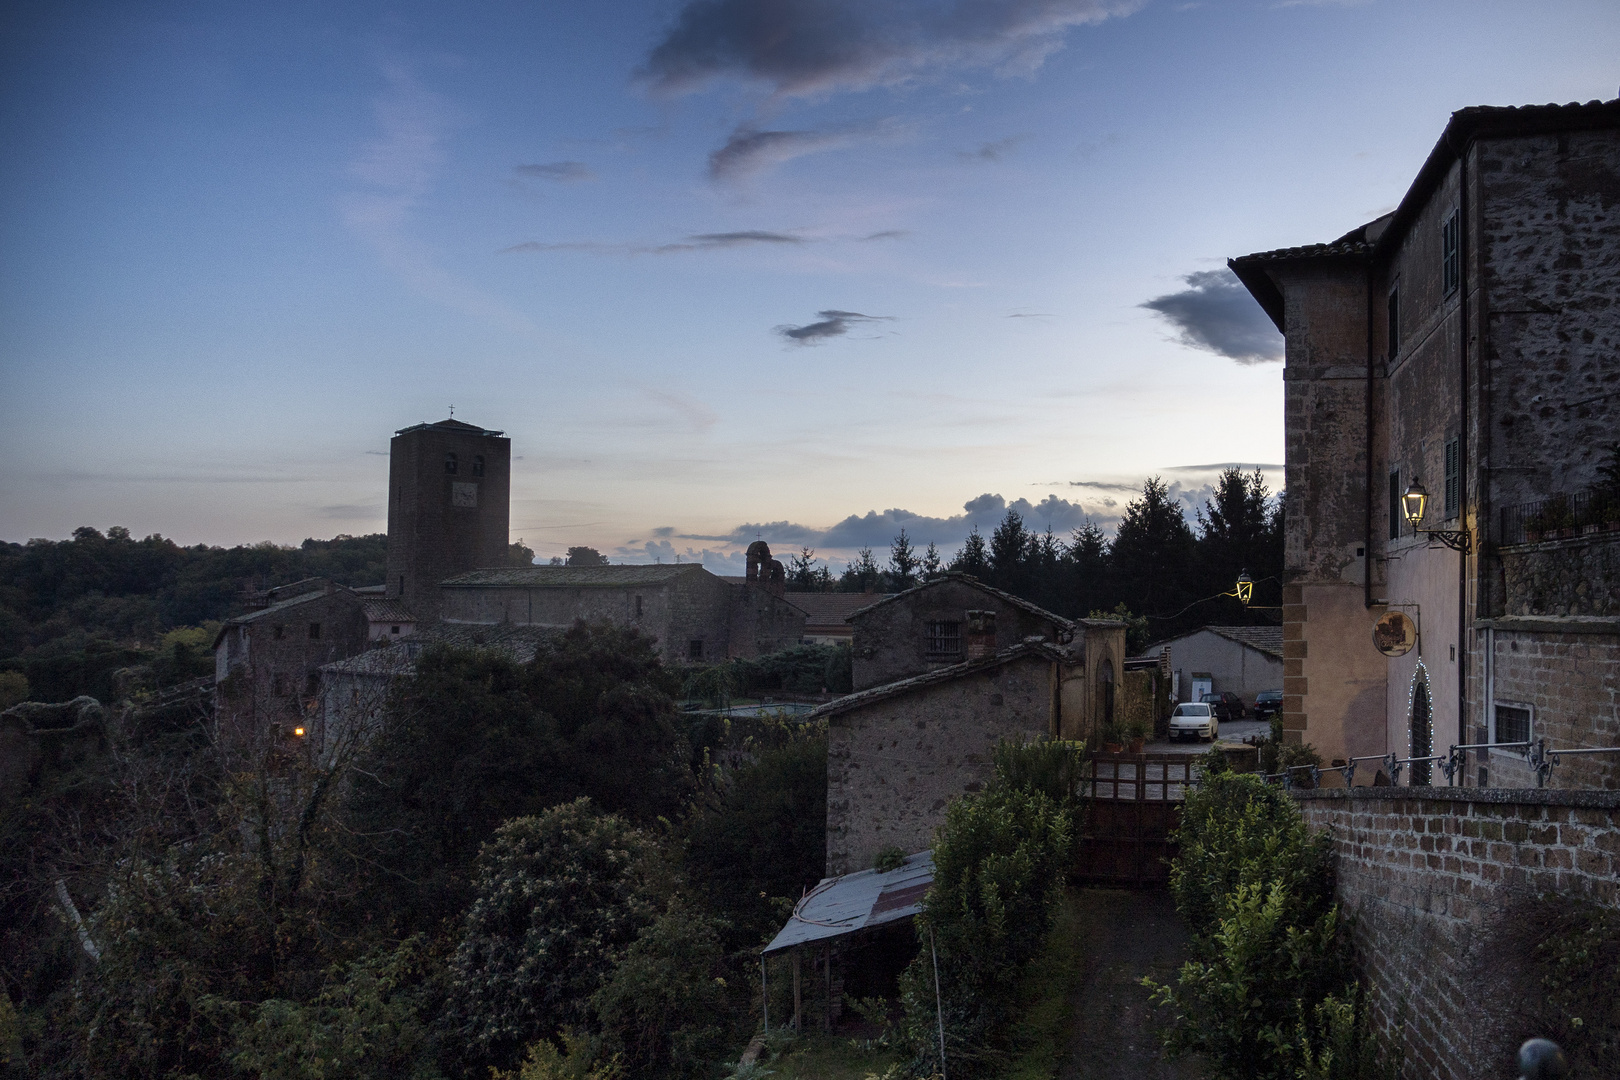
<point x="463" y="494"/>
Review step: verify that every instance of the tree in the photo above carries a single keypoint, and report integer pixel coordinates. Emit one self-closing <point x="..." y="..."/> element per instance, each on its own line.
<point x="862" y="575"/>
<point x="1235" y="530"/>
<point x="585" y="556"/>
<point x="1087" y="556"/>
<point x="801" y="572"/>
<point x="974" y="558"/>
<point x="903" y="563"/>
<point x="1009" y="552"/>
<point x="932" y="567"/>
<point x="519" y="555"/>
<point x="559" y="897"/>
<point x="1153" y="550"/>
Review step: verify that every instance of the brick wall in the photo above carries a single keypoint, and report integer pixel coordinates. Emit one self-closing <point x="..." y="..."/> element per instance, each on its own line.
<point x="1424" y="872"/>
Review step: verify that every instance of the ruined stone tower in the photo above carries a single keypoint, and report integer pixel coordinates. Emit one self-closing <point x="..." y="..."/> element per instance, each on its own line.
<point x="449" y="488"/>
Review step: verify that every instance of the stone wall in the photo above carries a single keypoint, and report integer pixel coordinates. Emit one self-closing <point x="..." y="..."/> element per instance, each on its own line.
<point x="1425" y="872"/>
<point x="1579" y="576"/>
<point x="891" y="638"/>
<point x="895" y="763"/>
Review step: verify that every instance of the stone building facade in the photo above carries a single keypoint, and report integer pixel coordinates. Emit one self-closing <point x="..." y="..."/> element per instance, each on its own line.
<point x="1466" y="341"/>
<point x="898" y="754"/>
<point x="696" y="616"/>
<point x="449" y="508"/>
<point x="267" y="662"/>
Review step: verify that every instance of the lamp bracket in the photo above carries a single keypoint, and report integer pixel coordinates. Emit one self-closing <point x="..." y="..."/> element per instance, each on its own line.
<point x="1455" y="539"/>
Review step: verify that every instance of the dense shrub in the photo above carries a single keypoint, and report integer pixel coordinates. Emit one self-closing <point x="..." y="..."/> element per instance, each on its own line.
<point x="666" y="1011"/>
<point x="762" y="835"/>
<point x="999" y="864"/>
<point x="1269" y="992"/>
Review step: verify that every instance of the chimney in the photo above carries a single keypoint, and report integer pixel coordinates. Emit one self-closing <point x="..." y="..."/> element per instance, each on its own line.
<point x="981" y="635"/>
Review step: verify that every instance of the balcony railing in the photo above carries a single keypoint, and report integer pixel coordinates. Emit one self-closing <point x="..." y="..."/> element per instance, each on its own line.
<point x="1561" y="517"/>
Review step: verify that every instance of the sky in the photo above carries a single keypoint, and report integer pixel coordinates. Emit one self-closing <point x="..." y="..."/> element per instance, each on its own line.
<point x="806" y="270"/>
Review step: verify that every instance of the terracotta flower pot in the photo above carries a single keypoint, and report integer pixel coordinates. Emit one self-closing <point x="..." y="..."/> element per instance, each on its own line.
<point x="1135" y="746"/>
<point x="1113" y="748"/>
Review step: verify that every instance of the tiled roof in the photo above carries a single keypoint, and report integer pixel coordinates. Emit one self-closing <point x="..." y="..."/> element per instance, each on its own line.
<point x="832" y="608"/>
<point x="386" y="611"/>
<point x="1267" y="639"/>
<point x="560" y="577"/>
<point x="969" y="579"/>
<point x="451" y="425"/>
<point x="1038" y="649"/>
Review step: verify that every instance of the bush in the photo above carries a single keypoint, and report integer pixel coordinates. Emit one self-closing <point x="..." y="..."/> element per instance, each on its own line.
<point x="1053" y="767"/>
<point x="999" y="863"/>
<point x="366" y="1023"/>
<point x="1264" y="994"/>
<point x="560" y="897"/>
<point x="665" y="1009"/>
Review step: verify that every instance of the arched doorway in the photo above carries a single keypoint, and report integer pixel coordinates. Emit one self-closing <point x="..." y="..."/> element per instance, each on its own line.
<point x="1422" y="726"/>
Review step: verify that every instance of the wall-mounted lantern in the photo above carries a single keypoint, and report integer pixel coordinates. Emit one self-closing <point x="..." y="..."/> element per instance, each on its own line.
<point x="1415" y="503"/>
<point x="1245" y="588"/>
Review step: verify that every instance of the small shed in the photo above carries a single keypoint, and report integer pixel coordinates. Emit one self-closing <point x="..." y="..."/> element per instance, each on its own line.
<point x="849" y="913"/>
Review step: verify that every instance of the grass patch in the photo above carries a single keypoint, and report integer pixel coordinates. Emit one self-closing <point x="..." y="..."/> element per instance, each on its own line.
<point x="1046" y="992"/>
<point x="831" y="1057"/>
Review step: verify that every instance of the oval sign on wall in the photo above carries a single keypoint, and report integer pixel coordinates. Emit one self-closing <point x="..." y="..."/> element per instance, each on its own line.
<point x="1395" y="633"/>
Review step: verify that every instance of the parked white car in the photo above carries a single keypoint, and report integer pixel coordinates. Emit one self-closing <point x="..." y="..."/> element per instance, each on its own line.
<point x="1196" y="719"/>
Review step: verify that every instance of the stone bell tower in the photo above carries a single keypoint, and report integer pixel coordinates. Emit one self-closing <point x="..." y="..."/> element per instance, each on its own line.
<point x="449" y="508"/>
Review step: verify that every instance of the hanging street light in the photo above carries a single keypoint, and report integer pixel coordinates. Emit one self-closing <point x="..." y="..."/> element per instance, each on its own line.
<point x="1415" y="504"/>
<point x="1245" y="588"/>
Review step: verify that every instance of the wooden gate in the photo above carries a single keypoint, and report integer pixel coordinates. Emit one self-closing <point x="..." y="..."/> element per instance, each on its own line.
<point x="1134" y="803"/>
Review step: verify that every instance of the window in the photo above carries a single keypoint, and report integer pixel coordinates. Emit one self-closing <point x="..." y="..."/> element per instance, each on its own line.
<point x="1451" y="253"/>
<point x="1512" y="723"/>
<point x="1453" y="477"/>
<point x="694" y="649"/>
<point x="393" y="629"/>
<point x="450" y="463"/>
<point x="1395" y="504"/>
<point x="278" y="685"/>
<point x="478" y="464"/>
<point x="638" y="607"/>
<point x="1394" y="322"/>
<point x="312" y="684"/>
<point x="278" y="632"/>
<point x="944" y="639"/>
<point x="314" y="631"/>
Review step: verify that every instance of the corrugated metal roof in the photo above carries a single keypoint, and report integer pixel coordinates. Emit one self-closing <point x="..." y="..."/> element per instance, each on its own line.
<point x="859" y="901"/>
<point x="562" y="577"/>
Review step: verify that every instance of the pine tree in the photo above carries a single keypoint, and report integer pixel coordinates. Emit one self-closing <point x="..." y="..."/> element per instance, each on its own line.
<point x="1153" y="551"/>
<point x="974" y="558"/>
<point x="1009" y="553"/>
<point x="903" y="563"/>
<point x="932" y="567"/>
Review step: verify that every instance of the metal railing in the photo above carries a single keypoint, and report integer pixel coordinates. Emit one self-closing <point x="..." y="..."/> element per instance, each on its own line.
<point x="1560" y="517"/>
<point x="1542" y="760"/>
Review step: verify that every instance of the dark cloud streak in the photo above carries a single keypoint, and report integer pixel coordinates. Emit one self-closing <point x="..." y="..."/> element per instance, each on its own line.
<point x="563" y="172"/>
<point x="1216" y="314"/>
<point x="833" y="323"/>
<point x="806" y="47"/>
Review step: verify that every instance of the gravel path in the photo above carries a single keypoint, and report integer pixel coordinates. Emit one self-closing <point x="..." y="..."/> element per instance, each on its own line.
<point x="1128" y="935"/>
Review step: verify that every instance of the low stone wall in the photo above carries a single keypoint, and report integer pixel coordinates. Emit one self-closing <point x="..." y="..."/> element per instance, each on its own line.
<point x="1577" y="576"/>
<point x="1426" y="871"/>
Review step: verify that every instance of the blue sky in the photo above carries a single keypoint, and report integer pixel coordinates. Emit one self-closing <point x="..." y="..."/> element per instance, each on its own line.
<point x="808" y="270"/>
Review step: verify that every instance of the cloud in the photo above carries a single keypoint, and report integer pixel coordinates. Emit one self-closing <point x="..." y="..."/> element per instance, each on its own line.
<point x="564" y="172"/>
<point x="832" y="324"/>
<point x="695" y="242"/>
<point x="1222" y="466"/>
<point x="394" y="172"/>
<point x="1217" y="314"/>
<point x="750" y="151"/>
<point x="991" y="151"/>
<point x="809" y="47"/>
<point x="888" y="234"/>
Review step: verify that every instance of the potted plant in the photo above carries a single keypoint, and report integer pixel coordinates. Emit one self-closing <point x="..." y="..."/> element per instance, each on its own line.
<point x="1109" y="735"/>
<point x="1135" y="735"/>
